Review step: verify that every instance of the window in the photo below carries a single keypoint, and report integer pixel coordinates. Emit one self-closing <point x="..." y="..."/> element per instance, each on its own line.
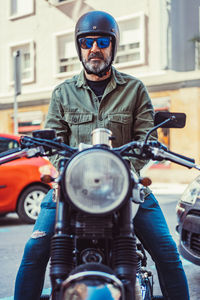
<point x="67" y="58"/>
<point x="20" y="8"/>
<point x="56" y="2"/>
<point x="196" y="41"/>
<point x="27" y="61"/>
<point x="132" y="46"/>
<point x="197" y="53"/>
<point x="29" y="121"/>
<point x="7" y="144"/>
<point x="162" y="104"/>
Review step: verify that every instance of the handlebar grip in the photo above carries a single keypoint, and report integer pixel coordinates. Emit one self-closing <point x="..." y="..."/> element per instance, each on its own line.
<point x="11" y="151"/>
<point x="178" y="159"/>
<point x="11" y="155"/>
<point x="183" y="157"/>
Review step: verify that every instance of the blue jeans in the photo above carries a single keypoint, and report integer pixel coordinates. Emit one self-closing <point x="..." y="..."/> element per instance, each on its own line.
<point x="152" y="230"/>
<point x="150" y="227"/>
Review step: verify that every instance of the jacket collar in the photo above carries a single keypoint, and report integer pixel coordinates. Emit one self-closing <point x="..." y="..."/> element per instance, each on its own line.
<point x="116" y="78"/>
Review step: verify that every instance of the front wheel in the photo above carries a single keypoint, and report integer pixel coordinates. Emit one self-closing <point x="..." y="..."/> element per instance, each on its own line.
<point x="29" y="203"/>
<point x="3" y="215"/>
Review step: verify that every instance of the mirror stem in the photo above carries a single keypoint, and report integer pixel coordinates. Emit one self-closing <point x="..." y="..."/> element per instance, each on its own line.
<point x="159" y="125"/>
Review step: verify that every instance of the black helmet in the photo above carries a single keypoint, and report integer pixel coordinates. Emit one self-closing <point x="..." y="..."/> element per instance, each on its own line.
<point x="97" y="23"/>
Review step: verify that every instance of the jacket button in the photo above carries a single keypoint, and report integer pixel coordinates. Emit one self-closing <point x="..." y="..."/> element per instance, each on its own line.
<point x="74" y="119"/>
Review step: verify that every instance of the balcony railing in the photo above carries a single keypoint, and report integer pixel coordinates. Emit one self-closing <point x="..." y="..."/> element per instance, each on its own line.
<point x="72" y="8"/>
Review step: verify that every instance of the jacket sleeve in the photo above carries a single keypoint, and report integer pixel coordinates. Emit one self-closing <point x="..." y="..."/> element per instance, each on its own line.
<point x="55" y="120"/>
<point x="143" y="116"/>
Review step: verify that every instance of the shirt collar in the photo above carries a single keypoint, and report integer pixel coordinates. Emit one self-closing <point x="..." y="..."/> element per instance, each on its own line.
<point x="81" y="80"/>
<point x="117" y="77"/>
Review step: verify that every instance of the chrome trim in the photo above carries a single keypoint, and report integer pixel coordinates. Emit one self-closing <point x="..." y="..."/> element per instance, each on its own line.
<point x="84" y="274"/>
<point x="101" y="136"/>
<point x="108" y="277"/>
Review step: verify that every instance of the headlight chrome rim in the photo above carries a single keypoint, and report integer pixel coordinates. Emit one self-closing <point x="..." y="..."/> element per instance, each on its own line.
<point x="97" y="154"/>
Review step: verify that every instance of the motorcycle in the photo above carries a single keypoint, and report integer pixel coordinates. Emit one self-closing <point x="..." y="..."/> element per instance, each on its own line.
<point x="94" y="251"/>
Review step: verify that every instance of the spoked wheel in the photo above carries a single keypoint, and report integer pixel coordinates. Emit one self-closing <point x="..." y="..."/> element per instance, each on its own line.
<point x="147" y="291"/>
<point x="29" y="203"/>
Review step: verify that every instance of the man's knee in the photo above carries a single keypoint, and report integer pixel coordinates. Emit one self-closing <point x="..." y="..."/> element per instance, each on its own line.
<point x="49" y="200"/>
<point x="38" y="246"/>
<point x="168" y="252"/>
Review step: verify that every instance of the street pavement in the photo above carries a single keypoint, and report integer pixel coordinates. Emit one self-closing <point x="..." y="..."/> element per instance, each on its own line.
<point x="161" y="188"/>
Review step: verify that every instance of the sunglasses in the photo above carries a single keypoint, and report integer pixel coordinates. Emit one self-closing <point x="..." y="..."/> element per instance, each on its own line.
<point x="102" y="42"/>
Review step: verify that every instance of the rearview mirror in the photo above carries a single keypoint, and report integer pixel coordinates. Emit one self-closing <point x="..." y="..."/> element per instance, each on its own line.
<point x="177" y="122"/>
<point x="49" y="134"/>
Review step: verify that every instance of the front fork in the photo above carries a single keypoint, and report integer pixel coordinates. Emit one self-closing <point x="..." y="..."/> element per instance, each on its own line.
<point x="62" y="245"/>
<point x="124" y="252"/>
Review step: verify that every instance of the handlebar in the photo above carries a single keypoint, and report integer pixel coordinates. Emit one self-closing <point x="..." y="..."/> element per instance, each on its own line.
<point x="10" y="151"/>
<point x="17" y="153"/>
<point x="12" y="155"/>
<point x="44" y="147"/>
<point x="182" y="156"/>
<point x="160" y="154"/>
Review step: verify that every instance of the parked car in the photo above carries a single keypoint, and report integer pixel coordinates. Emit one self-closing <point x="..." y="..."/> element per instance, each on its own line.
<point x="21" y="188"/>
<point x="188" y="213"/>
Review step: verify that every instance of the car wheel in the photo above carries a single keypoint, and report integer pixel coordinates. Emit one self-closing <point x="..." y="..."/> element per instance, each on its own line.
<point x="3" y="215"/>
<point x="29" y="203"/>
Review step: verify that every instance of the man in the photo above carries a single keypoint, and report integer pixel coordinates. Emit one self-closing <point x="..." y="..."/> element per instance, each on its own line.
<point x="100" y="96"/>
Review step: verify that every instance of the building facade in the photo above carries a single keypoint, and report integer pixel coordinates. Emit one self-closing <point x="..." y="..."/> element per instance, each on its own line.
<point x="159" y="43"/>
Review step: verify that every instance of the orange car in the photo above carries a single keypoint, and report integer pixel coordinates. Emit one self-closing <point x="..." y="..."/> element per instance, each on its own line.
<point x="21" y="188"/>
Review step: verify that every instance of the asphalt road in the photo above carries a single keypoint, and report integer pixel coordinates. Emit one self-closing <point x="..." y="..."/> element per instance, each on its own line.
<point x="14" y="234"/>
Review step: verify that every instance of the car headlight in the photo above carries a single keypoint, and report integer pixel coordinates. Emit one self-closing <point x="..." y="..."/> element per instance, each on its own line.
<point x="192" y="192"/>
<point x="96" y="181"/>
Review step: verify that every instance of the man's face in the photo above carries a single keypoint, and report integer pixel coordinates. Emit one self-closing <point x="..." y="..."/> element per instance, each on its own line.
<point x="96" y="59"/>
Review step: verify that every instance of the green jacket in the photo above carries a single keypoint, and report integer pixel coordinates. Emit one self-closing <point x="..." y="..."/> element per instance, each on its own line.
<point x="125" y="109"/>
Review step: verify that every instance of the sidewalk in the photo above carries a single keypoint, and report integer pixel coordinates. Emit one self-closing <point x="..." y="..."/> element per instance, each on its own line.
<point x="167" y="188"/>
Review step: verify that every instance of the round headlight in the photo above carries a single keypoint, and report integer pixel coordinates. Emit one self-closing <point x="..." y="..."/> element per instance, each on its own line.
<point x="96" y="181"/>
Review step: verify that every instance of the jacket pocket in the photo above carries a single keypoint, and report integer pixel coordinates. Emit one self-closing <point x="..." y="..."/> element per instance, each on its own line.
<point x="74" y="118"/>
<point x="120" y="124"/>
<point x="80" y="125"/>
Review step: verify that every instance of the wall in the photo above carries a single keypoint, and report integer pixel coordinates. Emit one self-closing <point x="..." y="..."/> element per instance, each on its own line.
<point x="185" y="141"/>
<point x="48" y="20"/>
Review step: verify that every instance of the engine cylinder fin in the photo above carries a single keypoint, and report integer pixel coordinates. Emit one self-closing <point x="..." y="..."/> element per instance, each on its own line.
<point x="93" y="226"/>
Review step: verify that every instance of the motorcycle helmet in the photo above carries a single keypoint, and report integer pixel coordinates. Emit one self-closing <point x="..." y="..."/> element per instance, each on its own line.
<point x="97" y="23"/>
<point x="92" y="281"/>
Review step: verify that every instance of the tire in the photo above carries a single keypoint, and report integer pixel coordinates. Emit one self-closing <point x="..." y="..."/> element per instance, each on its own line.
<point x="3" y="215"/>
<point x="29" y="203"/>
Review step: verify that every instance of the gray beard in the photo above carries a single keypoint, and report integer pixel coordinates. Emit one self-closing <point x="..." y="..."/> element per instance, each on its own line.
<point x="97" y="67"/>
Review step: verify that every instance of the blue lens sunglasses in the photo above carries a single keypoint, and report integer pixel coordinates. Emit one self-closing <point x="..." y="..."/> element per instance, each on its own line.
<point x="102" y="42"/>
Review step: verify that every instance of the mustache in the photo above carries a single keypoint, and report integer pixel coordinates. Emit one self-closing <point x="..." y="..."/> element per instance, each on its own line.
<point x="96" y="55"/>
